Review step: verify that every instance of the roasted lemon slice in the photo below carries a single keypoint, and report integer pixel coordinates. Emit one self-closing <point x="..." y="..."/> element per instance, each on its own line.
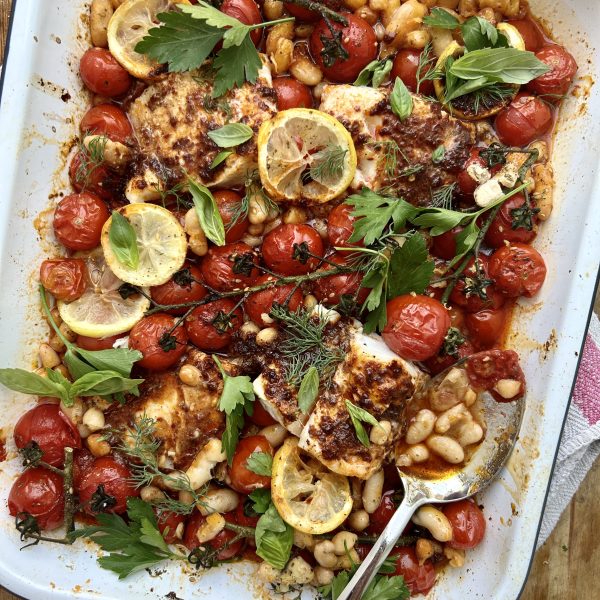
<point x="128" y="25"/>
<point x="102" y="311"/>
<point x="305" y="154"/>
<point x="161" y="242"/>
<point x="308" y="496"/>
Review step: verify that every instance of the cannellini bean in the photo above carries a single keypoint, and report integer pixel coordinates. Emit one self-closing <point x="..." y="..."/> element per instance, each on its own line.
<point x="451" y="417"/>
<point x="93" y="419"/>
<point x="508" y="8"/>
<point x="323" y="576"/>
<point x="275" y="434"/>
<point x="420" y="427"/>
<point x="56" y="343"/>
<point x="440" y="39"/>
<point x="219" y="500"/>
<point x="508" y="388"/>
<point x="191" y="223"/>
<point x="150" y="493"/>
<point x="356" y="486"/>
<point x="435" y="521"/>
<point x="425" y="549"/>
<point x="343" y="542"/>
<point x="282" y="56"/>
<point x="84" y="431"/>
<point x="310" y="301"/>
<point x="359" y="520"/>
<point x="418" y="39"/>
<point x="456" y="558"/>
<point x="272" y="9"/>
<point x="447" y="448"/>
<point x="303" y="31"/>
<point x="542" y="149"/>
<point x="97" y="445"/>
<point x="543" y="176"/>
<point x="418" y="453"/>
<point x="372" y="491"/>
<point x="469" y="397"/>
<point x="467" y="8"/>
<point x="368" y="14"/>
<point x="190" y="375"/>
<point x="63" y="371"/>
<point x="267" y="336"/>
<point x="258" y="209"/>
<point x="469" y="433"/>
<point x="74" y="412"/>
<point x="249" y="329"/>
<point x="295" y="215"/>
<point x="303" y="540"/>
<point x="214" y="524"/>
<point x="401" y="21"/>
<point x="381" y="433"/>
<point x="305" y="71"/>
<point x="48" y="357"/>
<point x="67" y="332"/>
<point x="325" y="554"/>
<point x="100" y="13"/>
<point x="377" y="5"/>
<point x="256" y="229"/>
<point x="318" y="90"/>
<point x="354" y="4"/>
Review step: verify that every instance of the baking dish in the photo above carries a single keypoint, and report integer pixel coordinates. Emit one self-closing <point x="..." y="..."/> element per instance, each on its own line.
<point x="41" y="101"/>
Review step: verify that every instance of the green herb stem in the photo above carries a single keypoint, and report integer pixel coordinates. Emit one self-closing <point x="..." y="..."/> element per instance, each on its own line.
<point x="70" y="504"/>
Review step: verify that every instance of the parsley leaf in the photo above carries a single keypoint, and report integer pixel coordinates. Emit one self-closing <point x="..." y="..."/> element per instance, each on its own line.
<point x="308" y="390"/>
<point x="401" y="100"/>
<point x="260" y="463"/>
<point x="235" y="65"/>
<point x="261" y="499"/>
<point x="359" y="416"/>
<point x="441" y="18"/>
<point x="410" y="271"/>
<point x="274" y="538"/>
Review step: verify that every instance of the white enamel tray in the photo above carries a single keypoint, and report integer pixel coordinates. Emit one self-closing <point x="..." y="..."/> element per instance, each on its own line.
<point x="40" y="108"/>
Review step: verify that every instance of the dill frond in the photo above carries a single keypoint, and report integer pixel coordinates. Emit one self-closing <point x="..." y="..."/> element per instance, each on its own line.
<point x="443" y="196"/>
<point x="328" y="163"/>
<point x="92" y="156"/>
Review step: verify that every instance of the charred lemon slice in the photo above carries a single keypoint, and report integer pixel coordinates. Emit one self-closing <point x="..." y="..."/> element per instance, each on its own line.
<point x="305" y="154"/>
<point x="308" y="496"/>
<point x="128" y="25"/>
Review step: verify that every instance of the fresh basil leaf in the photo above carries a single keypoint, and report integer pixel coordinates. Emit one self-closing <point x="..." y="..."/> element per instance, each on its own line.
<point x="401" y="100"/>
<point x="410" y="269"/>
<point x="365" y="76"/>
<point x="77" y="367"/>
<point x="208" y="213"/>
<point x="461" y="88"/>
<point x="261" y="499"/>
<point x="123" y="241"/>
<point x="438" y="154"/>
<point x="478" y="33"/>
<point x="309" y="390"/>
<point x="274" y="538"/>
<point x="441" y="19"/>
<point x="374" y="73"/>
<point x="230" y="135"/>
<point x="26" y="382"/>
<point x="381" y="73"/>
<point x="120" y="360"/>
<point x="103" y="383"/>
<point x="503" y="65"/>
<point x="359" y="416"/>
<point x="220" y="158"/>
<point x="260" y="463"/>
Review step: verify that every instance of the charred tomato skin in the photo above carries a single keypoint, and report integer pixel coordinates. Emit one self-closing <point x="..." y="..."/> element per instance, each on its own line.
<point x="230" y="267"/>
<point x="187" y="289"/>
<point x="518" y="270"/>
<point x="555" y="83"/>
<point x="203" y="329"/>
<point x="64" y="278"/>
<point x="259" y="304"/>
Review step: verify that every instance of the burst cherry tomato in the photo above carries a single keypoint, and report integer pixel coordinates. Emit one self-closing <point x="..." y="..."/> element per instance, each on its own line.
<point x="228" y="203"/>
<point x="245" y="514"/>
<point x="108" y="120"/>
<point x="358" y="39"/>
<point x="168" y="523"/>
<point x="301" y="13"/>
<point x="291" y="93"/>
<point x="153" y="337"/>
<point x="38" y="492"/>
<point x="330" y="290"/>
<point x="261" y="417"/>
<point x="211" y="325"/>
<point x="486" y="326"/>
<point x="284" y="249"/>
<point x="416" y="326"/>
<point x="102" y="74"/>
<point x="406" y="65"/>
<point x="466" y="183"/>
<point x="515" y="222"/>
<point x="418" y="578"/>
<point x="486" y="369"/>
<point x="52" y="430"/>
<point x="91" y="177"/>
<point x="190" y="538"/>
<point x="183" y="287"/>
<point x="444" y="245"/>
<point x="557" y="81"/>
<point x="443" y="360"/>
<point x="519" y="270"/>
<point x="64" y="278"/>
<point x="259" y="304"/>
<point x="525" y="119"/>
<point x="382" y="514"/>
<point x="230" y="267"/>
<point x="242" y="478"/>
<point x="89" y="343"/>
<point x="475" y="290"/>
<point x="468" y="524"/>
<point x="530" y="32"/>
<point x="78" y="221"/>
<point x="247" y="12"/>
<point x="114" y="476"/>
<point x="340" y="226"/>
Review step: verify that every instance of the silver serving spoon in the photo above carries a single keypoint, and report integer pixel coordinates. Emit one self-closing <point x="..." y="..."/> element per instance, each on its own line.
<point x="503" y="421"/>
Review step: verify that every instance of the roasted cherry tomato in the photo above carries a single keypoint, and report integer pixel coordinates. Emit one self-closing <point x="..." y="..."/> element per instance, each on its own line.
<point x="333" y="289"/>
<point x="518" y="269"/>
<point x="190" y="538"/>
<point x="443" y="360"/>
<point x="102" y="74"/>
<point x="259" y="304"/>
<point x="247" y="12"/>
<point x="444" y="245"/>
<point x="108" y="120"/>
<point x="64" y="278"/>
<point x="515" y="222"/>
<point x="78" y="221"/>
<point x="82" y="461"/>
<point x="115" y="478"/>
<point x="261" y="417"/>
<point x="168" y="523"/>
<point x="291" y="93"/>
<point x="183" y="287"/>
<point x="340" y="226"/>
<point x="301" y="13"/>
<point x="418" y="578"/>
<point x="555" y="83"/>
<point x="38" y="492"/>
<point x="468" y="524"/>
<point x="242" y="478"/>
<point x="236" y="225"/>
<point x="486" y="369"/>
<point x="474" y="290"/>
<point x="466" y="184"/>
<point x="285" y="249"/>
<point x="530" y="32"/>
<point x="416" y="326"/>
<point x="210" y="326"/>
<point x="406" y="65"/>
<point x="89" y="176"/>
<point x="358" y="40"/>
<point x="153" y="337"/>
<point x="90" y="343"/>
<point x="525" y="119"/>
<point x="50" y="429"/>
<point x="245" y="514"/>
<point x="382" y="514"/>
<point x="486" y="326"/>
<point x="230" y="267"/>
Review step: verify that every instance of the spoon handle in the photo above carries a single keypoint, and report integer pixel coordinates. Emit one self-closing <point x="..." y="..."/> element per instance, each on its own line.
<point x="383" y="546"/>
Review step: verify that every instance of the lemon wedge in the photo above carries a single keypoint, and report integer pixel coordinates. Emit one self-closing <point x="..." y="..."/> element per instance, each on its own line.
<point x="102" y="311"/>
<point x="308" y="496"/>
<point x="305" y="154"/>
<point x="128" y="25"/>
<point x="161" y="241"/>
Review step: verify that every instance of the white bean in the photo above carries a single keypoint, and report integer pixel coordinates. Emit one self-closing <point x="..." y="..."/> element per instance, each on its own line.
<point x="97" y="445"/>
<point x="418" y="453"/>
<point x="151" y="493"/>
<point x="452" y="416"/>
<point x="359" y="520"/>
<point x="323" y="576"/>
<point x="266" y="336"/>
<point x="447" y="448"/>
<point x="381" y="433"/>
<point x="208" y="530"/>
<point x="325" y="554"/>
<point x="372" y="491"/>
<point x="275" y="434"/>
<point x="456" y="558"/>
<point x="190" y="375"/>
<point x="435" y="521"/>
<point x="508" y="388"/>
<point x="421" y="426"/>
<point x="219" y="500"/>
<point x="93" y="419"/>
<point x="48" y="357"/>
<point x="305" y="71"/>
<point x="343" y="542"/>
<point x="469" y="433"/>
<point x="295" y="215"/>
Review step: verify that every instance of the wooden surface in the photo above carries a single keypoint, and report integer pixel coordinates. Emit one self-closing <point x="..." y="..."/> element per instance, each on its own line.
<point x="568" y="564"/>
